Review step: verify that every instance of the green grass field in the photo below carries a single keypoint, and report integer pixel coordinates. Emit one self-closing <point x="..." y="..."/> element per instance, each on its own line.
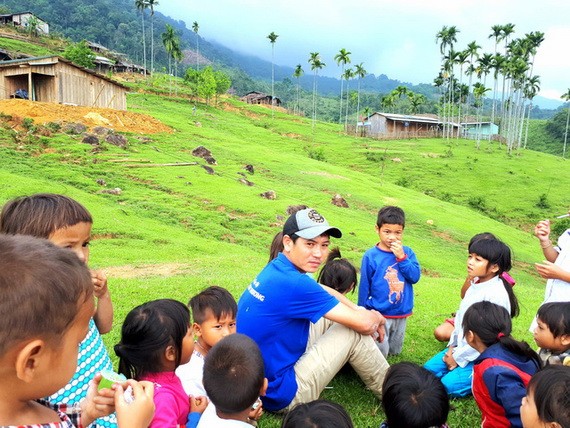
<point x="175" y="230"/>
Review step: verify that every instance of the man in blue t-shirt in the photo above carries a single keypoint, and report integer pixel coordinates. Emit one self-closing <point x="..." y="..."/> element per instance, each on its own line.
<point x="278" y="306"/>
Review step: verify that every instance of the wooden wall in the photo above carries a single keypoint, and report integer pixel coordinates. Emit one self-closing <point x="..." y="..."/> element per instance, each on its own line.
<point x="59" y="82"/>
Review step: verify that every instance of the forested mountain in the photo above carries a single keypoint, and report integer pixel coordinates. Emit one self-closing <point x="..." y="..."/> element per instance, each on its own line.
<point x="117" y="24"/>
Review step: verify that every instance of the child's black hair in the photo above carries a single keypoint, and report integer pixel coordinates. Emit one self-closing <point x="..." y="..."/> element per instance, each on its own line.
<point x="41" y="214"/>
<point x="215" y="299"/>
<point x="317" y="414"/>
<point x="492" y="324"/>
<point x="482" y="235"/>
<point x="233" y="374"/>
<point x="413" y="397"/>
<point x="146" y="333"/>
<point x="550" y="388"/>
<point x="556" y="315"/>
<point x="497" y="253"/>
<point x="391" y="215"/>
<point x="338" y="273"/>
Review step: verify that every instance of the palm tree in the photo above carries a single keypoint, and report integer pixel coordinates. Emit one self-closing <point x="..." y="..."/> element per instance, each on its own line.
<point x="272" y="39"/>
<point x="416" y="100"/>
<point x="195" y="28"/>
<point x="531" y="88"/>
<point x="506" y="31"/>
<point x="342" y="57"/>
<point x="479" y="91"/>
<point x="297" y="75"/>
<point x="151" y="4"/>
<point x="566" y="97"/>
<point x="172" y="44"/>
<point x="142" y="6"/>
<point x="359" y="72"/>
<point x="348" y="74"/>
<point x="461" y="59"/>
<point x="473" y="51"/>
<point x="316" y="65"/>
<point x="497" y="33"/>
<point x="447" y="36"/>
<point x="388" y="102"/>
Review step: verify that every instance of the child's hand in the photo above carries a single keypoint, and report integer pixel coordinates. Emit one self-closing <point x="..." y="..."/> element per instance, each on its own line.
<point x="97" y="403"/>
<point x="398" y="250"/>
<point x="139" y="412"/>
<point x="99" y="280"/>
<point x="256" y="411"/>
<point x="198" y="404"/>
<point x="542" y="230"/>
<point x="449" y="360"/>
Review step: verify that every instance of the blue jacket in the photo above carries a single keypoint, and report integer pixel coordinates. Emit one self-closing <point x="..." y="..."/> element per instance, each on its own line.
<point x="500" y="378"/>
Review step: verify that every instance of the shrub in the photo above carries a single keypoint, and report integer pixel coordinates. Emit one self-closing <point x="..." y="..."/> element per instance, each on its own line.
<point x="478" y="203"/>
<point x="543" y="202"/>
<point x="316" y="153"/>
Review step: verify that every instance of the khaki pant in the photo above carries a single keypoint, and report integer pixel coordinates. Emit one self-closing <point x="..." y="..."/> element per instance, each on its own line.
<point x="329" y="348"/>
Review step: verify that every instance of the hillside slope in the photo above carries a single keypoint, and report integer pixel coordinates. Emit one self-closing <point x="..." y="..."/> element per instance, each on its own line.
<point x="170" y="231"/>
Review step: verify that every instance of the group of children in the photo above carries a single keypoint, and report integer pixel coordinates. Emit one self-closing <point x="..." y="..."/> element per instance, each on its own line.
<point x="187" y="366"/>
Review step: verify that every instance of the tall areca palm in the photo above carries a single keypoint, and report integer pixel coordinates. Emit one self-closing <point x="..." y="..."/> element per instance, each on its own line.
<point x="461" y="59"/>
<point x="151" y="4"/>
<point x="342" y="58"/>
<point x="142" y="5"/>
<point x="479" y="91"/>
<point x="531" y="88"/>
<point x="359" y="72"/>
<point x="447" y="37"/>
<point x="171" y="43"/>
<point x="272" y="39"/>
<point x="347" y="75"/>
<point x="316" y="65"/>
<point x="506" y="31"/>
<point x="473" y="51"/>
<point x="497" y="34"/>
<point x="566" y="97"/>
<point x="297" y="75"/>
<point x="195" y="28"/>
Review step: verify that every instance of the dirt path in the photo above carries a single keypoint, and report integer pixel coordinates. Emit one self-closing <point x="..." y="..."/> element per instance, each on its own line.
<point x="119" y="120"/>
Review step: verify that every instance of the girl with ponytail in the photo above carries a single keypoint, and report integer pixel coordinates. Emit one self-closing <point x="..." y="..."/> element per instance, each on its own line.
<point x="504" y="367"/>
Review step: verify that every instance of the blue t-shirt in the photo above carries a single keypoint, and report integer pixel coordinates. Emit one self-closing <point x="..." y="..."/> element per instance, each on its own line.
<point x="275" y="311"/>
<point x="386" y="284"/>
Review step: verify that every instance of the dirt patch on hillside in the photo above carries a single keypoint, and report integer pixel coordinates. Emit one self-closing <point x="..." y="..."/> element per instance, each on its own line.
<point x="142" y="271"/>
<point x="119" y="120"/>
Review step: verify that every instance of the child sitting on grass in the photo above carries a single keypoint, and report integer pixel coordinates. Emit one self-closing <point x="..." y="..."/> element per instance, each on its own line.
<point x="552" y="333"/>
<point x="234" y="380"/>
<point x="504" y="367"/>
<point x="67" y="224"/>
<point x="547" y="401"/>
<point x="48" y="294"/>
<point x="413" y="397"/>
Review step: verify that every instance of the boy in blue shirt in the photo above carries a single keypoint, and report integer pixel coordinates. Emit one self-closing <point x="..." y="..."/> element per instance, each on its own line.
<point x="388" y="271"/>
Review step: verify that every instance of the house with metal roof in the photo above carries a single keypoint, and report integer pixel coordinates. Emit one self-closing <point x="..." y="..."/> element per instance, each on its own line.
<point x="54" y="79"/>
<point x="22" y="19"/>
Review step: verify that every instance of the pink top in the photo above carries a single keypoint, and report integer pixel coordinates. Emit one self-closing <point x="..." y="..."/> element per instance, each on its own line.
<point x="172" y="403"/>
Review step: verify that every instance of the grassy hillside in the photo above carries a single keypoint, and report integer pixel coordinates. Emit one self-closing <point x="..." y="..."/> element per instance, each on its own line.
<point x="174" y="230"/>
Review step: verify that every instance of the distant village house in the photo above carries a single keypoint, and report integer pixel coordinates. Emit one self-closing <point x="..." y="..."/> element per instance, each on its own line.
<point x="54" y="79"/>
<point x="260" y="98"/>
<point x="21" y="20"/>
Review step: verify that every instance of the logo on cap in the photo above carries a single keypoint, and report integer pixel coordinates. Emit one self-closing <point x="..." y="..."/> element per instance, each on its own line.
<point x="315" y="216"/>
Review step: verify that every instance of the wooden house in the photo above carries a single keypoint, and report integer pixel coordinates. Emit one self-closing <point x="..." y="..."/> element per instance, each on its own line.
<point x="21" y="20"/>
<point x="255" y="97"/>
<point x="54" y="79"/>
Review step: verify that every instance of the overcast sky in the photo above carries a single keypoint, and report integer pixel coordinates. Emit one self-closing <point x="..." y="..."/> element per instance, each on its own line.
<point x="396" y="38"/>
